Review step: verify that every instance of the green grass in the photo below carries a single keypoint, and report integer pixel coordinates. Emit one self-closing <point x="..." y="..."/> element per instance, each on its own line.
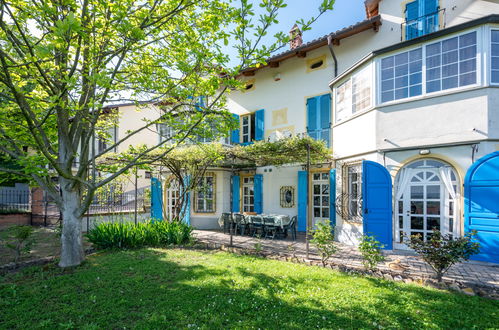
<point x="153" y="288"/>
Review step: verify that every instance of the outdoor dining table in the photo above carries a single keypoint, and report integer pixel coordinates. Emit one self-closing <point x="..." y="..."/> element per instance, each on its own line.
<point x="280" y="220"/>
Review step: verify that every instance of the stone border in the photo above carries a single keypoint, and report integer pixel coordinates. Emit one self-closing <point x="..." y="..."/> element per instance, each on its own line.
<point x="470" y="289"/>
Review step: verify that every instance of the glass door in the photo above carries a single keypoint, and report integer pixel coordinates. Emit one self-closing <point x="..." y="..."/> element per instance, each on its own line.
<point x="320" y="197"/>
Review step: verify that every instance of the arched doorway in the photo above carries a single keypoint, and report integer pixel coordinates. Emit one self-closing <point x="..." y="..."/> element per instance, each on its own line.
<point x="426" y="195"/>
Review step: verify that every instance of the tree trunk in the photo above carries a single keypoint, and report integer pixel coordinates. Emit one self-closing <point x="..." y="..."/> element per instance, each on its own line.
<point x="71" y="239"/>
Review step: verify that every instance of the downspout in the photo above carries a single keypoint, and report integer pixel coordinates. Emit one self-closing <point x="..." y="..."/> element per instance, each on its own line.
<point x="330" y="46"/>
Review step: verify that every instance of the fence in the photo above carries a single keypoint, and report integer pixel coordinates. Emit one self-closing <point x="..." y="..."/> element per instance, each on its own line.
<point x="109" y="206"/>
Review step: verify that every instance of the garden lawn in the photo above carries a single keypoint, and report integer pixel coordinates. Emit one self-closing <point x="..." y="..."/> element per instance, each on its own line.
<point x="155" y="288"/>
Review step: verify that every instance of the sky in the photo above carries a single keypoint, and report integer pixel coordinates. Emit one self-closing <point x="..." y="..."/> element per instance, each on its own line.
<point x="344" y="13"/>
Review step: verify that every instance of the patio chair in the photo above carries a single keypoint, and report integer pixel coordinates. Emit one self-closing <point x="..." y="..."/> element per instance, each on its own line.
<point x="256" y="225"/>
<point x="240" y="223"/>
<point x="291" y="226"/>
<point x="226" y="219"/>
<point x="269" y="227"/>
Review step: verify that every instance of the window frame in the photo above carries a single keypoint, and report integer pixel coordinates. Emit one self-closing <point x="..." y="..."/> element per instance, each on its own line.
<point x="204" y="200"/>
<point x="366" y="68"/>
<point x="249" y="184"/>
<point x="251" y="127"/>
<point x="488" y="40"/>
<point x="346" y="188"/>
<point x="423" y="45"/>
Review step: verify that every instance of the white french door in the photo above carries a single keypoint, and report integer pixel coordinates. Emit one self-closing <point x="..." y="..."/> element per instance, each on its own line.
<point x="425" y="205"/>
<point x="172" y="198"/>
<point x="320" y="197"/>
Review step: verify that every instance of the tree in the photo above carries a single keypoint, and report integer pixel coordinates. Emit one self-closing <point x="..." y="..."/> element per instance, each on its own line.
<point x="324" y="240"/>
<point x="62" y="61"/>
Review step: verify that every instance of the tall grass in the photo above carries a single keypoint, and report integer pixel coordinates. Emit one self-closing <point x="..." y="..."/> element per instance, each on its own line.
<point x="128" y="235"/>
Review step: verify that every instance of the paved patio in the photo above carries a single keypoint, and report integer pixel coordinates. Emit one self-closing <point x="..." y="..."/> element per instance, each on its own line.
<point x="405" y="263"/>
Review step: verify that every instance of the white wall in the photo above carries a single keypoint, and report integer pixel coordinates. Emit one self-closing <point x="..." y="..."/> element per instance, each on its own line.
<point x="272" y="183"/>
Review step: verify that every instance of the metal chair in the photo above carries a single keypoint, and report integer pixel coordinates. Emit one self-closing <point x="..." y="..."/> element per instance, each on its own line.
<point x="291" y="226"/>
<point x="256" y="225"/>
<point x="240" y="223"/>
<point x="226" y="219"/>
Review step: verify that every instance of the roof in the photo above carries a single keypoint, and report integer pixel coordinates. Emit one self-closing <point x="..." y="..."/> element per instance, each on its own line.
<point x="367" y="24"/>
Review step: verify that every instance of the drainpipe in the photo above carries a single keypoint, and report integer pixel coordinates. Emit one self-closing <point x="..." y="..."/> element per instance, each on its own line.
<point x="330" y="46"/>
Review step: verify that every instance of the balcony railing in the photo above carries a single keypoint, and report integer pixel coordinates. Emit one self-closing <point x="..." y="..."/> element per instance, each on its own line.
<point x="423" y="25"/>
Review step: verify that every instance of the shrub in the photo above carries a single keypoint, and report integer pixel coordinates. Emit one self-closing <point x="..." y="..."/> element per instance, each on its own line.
<point x="127" y="235"/>
<point x="20" y="240"/>
<point x="442" y="251"/>
<point x="370" y="249"/>
<point x="324" y="240"/>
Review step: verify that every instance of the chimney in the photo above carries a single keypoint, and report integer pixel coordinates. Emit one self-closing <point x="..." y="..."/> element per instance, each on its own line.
<point x="295" y="39"/>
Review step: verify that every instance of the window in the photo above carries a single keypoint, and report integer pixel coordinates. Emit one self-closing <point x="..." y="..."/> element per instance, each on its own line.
<point x="147" y="175"/>
<point x="451" y="63"/>
<point x="353" y="188"/>
<point x="248" y="128"/>
<point x="354" y="95"/>
<point x="165" y="132"/>
<point x="401" y="75"/>
<point x="248" y="194"/>
<point x="421" y="17"/>
<point x="316" y="63"/>
<point x="105" y="139"/>
<point x="494" y="57"/>
<point x="205" y="194"/>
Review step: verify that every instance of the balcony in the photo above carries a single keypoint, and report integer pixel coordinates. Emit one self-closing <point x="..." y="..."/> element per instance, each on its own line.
<point x="422" y="25"/>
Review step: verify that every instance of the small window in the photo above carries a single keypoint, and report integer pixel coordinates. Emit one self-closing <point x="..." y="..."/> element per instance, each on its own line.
<point x="205" y="194"/>
<point x="249" y="85"/>
<point x="147" y="174"/>
<point x="316" y="63"/>
<point x="248" y="128"/>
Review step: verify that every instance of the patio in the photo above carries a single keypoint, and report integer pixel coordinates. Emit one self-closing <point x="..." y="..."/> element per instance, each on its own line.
<point x="404" y="265"/>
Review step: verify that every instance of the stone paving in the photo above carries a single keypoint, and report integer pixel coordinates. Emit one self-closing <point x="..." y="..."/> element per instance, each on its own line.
<point x="405" y="263"/>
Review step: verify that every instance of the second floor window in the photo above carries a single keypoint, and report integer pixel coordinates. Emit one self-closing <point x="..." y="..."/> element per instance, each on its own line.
<point x="421" y="17"/>
<point x="164" y="132"/>
<point x="248" y="128"/>
<point x="401" y="75"/>
<point x="495" y="57"/>
<point x="354" y="95"/>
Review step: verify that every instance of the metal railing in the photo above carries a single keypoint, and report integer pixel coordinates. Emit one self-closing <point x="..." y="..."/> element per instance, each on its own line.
<point x="15" y="200"/>
<point x="422" y="25"/>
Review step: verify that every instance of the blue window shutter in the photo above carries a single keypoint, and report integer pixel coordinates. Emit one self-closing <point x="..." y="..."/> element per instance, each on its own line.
<point x="332" y="197"/>
<point x="187" y="205"/>
<point x="259" y="125"/>
<point x="377" y="203"/>
<point x="156" y="200"/>
<point x="258" y="190"/>
<point x="235" y="133"/>
<point x="235" y="193"/>
<point x="312" y="118"/>
<point x="325" y="117"/>
<point x="302" y="200"/>
<point x="412" y="22"/>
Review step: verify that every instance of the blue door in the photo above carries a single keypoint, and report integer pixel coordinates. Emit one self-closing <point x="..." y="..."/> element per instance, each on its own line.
<point x="377" y="202"/>
<point x="481" y="205"/>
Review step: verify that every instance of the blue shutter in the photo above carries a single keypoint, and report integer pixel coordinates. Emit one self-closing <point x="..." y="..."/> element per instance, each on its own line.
<point x="187" y="205"/>
<point x="156" y="200"/>
<point x="325" y="117"/>
<point x="312" y="118"/>
<point x="235" y="133"/>
<point x="259" y="125"/>
<point x="412" y="22"/>
<point x="332" y="197"/>
<point x="302" y="200"/>
<point x="481" y="207"/>
<point x="258" y="190"/>
<point x="377" y="202"/>
<point x="235" y="193"/>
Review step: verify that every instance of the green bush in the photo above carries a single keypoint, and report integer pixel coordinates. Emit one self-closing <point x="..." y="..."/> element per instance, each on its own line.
<point x="324" y="240"/>
<point x="442" y="251"/>
<point x="127" y="235"/>
<point x="370" y="249"/>
<point x="19" y="239"/>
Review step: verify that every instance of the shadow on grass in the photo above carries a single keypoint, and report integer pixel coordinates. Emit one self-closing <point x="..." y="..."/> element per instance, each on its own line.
<point x="185" y="289"/>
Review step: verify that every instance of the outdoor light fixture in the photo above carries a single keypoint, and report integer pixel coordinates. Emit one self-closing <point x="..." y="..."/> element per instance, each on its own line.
<point x="424" y="152"/>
